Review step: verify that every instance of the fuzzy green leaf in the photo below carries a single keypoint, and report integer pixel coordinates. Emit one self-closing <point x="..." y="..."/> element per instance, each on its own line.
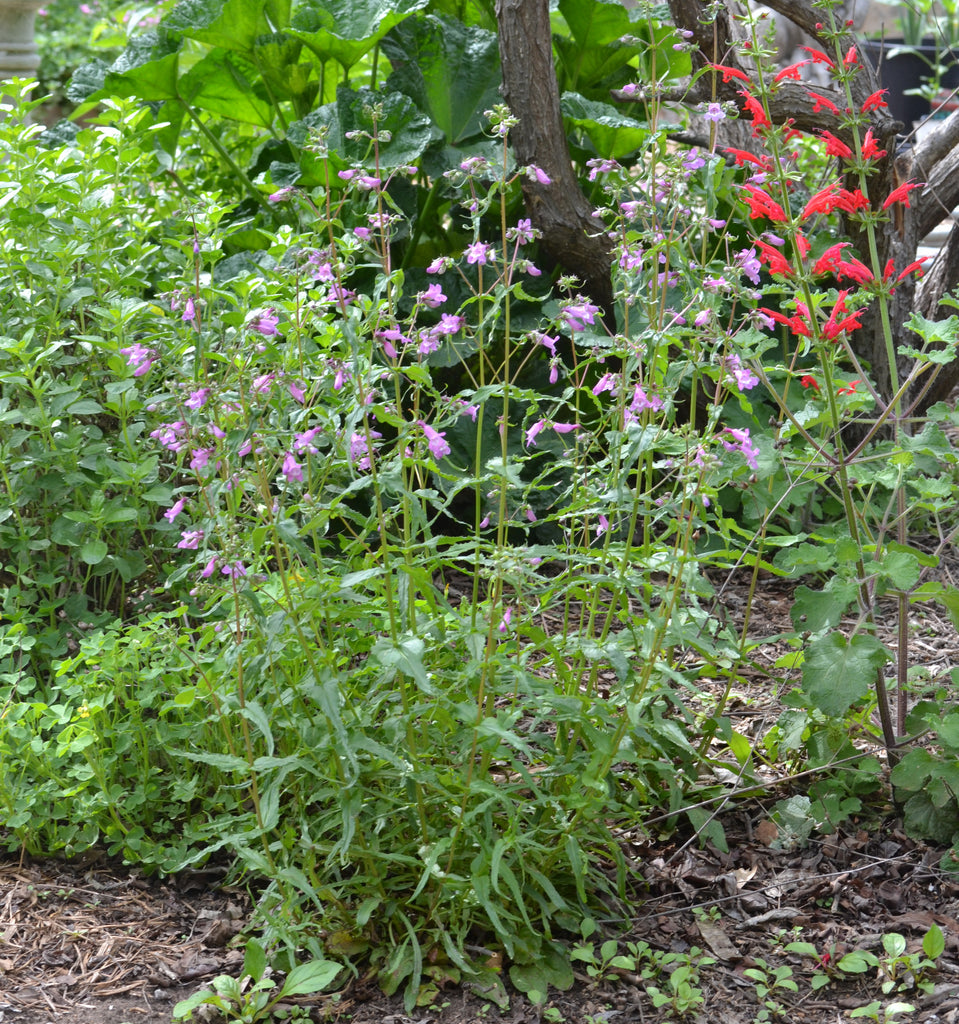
<point x="837" y="673"/>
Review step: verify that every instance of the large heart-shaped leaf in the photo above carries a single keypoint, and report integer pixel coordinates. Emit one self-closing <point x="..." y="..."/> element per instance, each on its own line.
<point x="344" y="30"/>
<point x="450" y="71"/>
<point x="837" y="672"/>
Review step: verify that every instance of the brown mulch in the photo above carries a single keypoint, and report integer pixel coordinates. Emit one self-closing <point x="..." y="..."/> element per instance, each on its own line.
<point x="99" y="944"/>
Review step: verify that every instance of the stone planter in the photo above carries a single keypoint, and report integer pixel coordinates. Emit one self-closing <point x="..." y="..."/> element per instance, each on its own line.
<point x="18" y="47"/>
<point x="903" y="68"/>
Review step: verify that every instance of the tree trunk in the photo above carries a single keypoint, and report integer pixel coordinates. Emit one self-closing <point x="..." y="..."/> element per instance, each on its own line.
<point x="572" y="237"/>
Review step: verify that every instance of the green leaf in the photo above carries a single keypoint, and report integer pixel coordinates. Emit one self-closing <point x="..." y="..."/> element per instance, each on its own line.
<point x="311" y="977"/>
<point x="612" y="133"/>
<point x="231" y="24"/>
<point x="817" y="610"/>
<point x="405" y="657"/>
<point x="94" y="551"/>
<point x="450" y="71"/>
<point x="147" y="68"/>
<point x="410" y="129"/>
<point x="223" y="83"/>
<point x="344" y="30"/>
<point x="837" y="673"/>
<point x="254" y="962"/>
<point x="914" y="770"/>
<point x="947" y="596"/>
<point x="923" y="820"/>
<point x="934" y="943"/>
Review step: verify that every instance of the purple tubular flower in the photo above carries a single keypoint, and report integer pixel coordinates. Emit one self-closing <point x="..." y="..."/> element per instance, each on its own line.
<point x="436" y="441"/>
<point x="579" y="315"/>
<point x="292" y="470"/>
<point x="265" y="323"/>
<point x="171" y="513"/>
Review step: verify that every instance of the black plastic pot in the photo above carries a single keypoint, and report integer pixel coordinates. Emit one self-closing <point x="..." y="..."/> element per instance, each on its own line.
<point x="902" y="68"/>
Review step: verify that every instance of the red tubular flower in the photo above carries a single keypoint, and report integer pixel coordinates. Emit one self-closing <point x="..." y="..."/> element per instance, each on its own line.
<point x="802" y="244"/>
<point x="902" y="194"/>
<point x="762" y="204"/>
<point x="850" y="57"/>
<point x="820" y="103"/>
<point x="829" y="261"/>
<point x="808" y="381"/>
<point x="756" y="111"/>
<point x="824" y="201"/>
<point x="849" y="389"/>
<point x="870" y="150"/>
<point x="836" y="147"/>
<point x="874" y="101"/>
<point x="915" y="265"/>
<point x="818" y="57"/>
<point x="792" y="71"/>
<point x="743" y="156"/>
<point x="730" y="73"/>
<point x="840" y="319"/>
<point x="774" y="259"/>
<point x="795" y="323"/>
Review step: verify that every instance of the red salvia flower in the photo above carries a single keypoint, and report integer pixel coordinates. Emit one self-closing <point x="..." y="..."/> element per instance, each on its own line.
<point x="850" y="57"/>
<point x="774" y="259"/>
<point x="795" y="323"/>
<point x="803" y="245"/>
<point x="792" y="71"/>
<point x="890" y="269"/>
<point x="809" y="381"/>
<point x="818" y="57"/>
<point x="849" y="389"/>
<point x="870" y="150"/>
<point x="836" y="147"/>
<point x="730" y="73"/>
<point x="756" y="111"/>
<point x="743" y="156"/>
<point x="840" y="319"/>
<point x="820" y="103"/>
<point x="901" y="194"/>
<point x="762" y="204"/>
<point x="874" y="101"/>
<point x="824" y="201"/>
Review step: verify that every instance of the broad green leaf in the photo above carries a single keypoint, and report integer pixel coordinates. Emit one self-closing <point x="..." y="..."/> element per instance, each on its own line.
<point x="837" y="673"/>
<point x="947" y="596"/>
<point x="923" y="820"/>
<point x="598" y="22"/>
<point x="148" y="68"/>
<point x="223" y="83"/>
<point x="450" y="71"/>
<point x="411" y="132"/>
<point x="613" y="134"/>
<point x="94" y="551"/>
<point x="913" y="771"/>
<point x="899" y="567"/>
<point x="233" y="25"/>
<point x="344" y="30"/>
<point x="405" y="657"/>
<point x="817" y="610"/>
<point x="305" y="979"/>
